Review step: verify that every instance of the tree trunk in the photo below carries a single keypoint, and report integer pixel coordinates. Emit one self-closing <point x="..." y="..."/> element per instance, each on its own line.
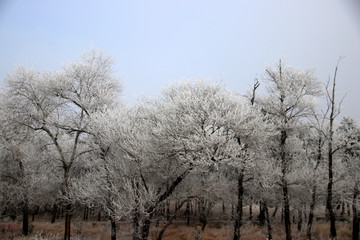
<point x="342" y="211"/>
<point x="355" y="230"/>
<point x="330" y="212"/>
<point x="314" y="190"/>
<point x="268" y="221"/>
<point x="285" y="185"/>
<point x="202" y="213"/>
<point x="275" y="210"/>
<point x="311" y="213"/>
<point x="187" y="212"/>
<point x="86" y="213"/>
<point x="250" y="211"/>
<point x="261" y="214"/>
<point x="162" y="231"/>
<point x="300" y="219"/>
<point x="329" y="208"/>
<point x="67" y="222"/>
<point x="113" y="229"/>
<point x="145" y="229"/>
<point x="239" y="207"/>
<point x="136" y="224"/>
<point x="223" y="207"/>
<point x="172" y="218"/>
<point x="54" y="213"/>
<point x="287" y="220"/>
<point x="25" y="221"/>
<point x="34" y="213"/>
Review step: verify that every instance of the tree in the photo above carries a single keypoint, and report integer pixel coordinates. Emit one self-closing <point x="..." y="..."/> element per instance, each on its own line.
<point x="334" y="112"/>
<point x="290" y="92"/>
<point x="59" y="105"/>
<point x="20" y="164"/>
<point x="314" y="141"/>
<point x="247" y="126"/>
<point x="350" y="137"/>
<point x="16" y="173"/>
<point x="106" y="188"/>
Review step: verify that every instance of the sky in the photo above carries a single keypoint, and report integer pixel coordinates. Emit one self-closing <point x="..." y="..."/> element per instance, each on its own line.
<point x="156" y="42"/>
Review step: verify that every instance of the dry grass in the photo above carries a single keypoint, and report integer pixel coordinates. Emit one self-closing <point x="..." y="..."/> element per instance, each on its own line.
<point x="92" y="230"/>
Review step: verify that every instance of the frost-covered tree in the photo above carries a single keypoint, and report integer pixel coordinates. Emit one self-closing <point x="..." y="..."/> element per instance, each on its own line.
<point x="17" y="172"/>
<point x="349" y="134"/>
<point x="313" y="139"/>
<point x="59" y="104"/>
<point x="163" y="140"/>
<point x="332" y="112"/>
<point x="106" y="185"/>
<point x="290" y="93"/>
<point x="246" y="127"/>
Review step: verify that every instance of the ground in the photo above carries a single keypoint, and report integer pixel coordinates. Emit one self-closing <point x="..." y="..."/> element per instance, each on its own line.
<point x="219" y="227"/>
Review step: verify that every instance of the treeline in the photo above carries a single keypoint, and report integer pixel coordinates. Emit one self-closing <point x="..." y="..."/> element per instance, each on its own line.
<point x="67" y="140"/>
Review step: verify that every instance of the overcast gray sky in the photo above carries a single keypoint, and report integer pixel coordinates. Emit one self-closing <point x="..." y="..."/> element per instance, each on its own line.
<point x="154" y="42"/>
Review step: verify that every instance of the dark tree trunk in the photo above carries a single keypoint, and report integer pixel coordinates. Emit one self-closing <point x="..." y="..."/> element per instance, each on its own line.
<point x="141" y="231"/>
<point x="113" y="229"/>
<point x="287" y="220"/>
<point x="67" y="222"/>
<point x="25" y="221"/>
<point x="99" y="216"/>
<point x="172" y="218"/>
<point x="330" y="212"/>
<point x="145" y="229"/>
<point x="162" y="231"/>
<point x="342" y="211"/>
<point x="261" y="214"/>
<point x="136" y="224"/>
<point x="275" y="211"/>
<point x="202" y="214"/>
<point x="250" y="211"/>
<point x="34" y="213"/>
<point x="223" y="207"/>
<point x="187" y="212"/>
<point x="300" y="220"/>
<point x="284" y="184"/>
<point x="86" y="213"/>
<point x="239" y="206"/>
<point x="355" y="230"/>
<point x="314" y="190"/>
<point x="329" y="208"/>
<point x="268" y="221"/>
<point x="54" y="213"/>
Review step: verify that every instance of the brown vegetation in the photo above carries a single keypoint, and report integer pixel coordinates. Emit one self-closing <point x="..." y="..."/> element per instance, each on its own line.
<point x="94" y="230"/>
